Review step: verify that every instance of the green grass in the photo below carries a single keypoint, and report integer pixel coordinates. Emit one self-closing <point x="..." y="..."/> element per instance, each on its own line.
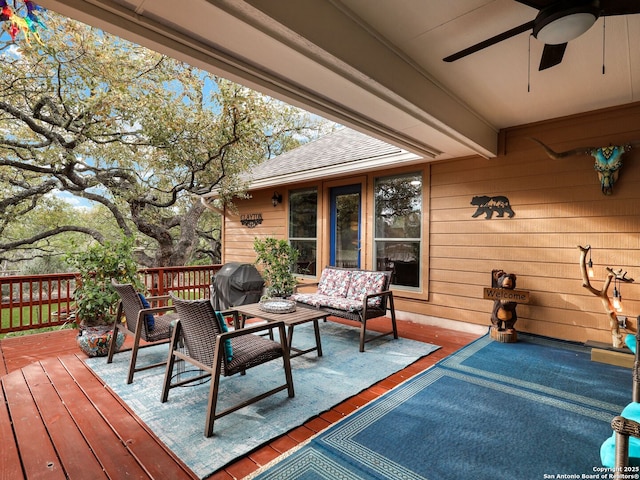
<point x="33" y="313"/>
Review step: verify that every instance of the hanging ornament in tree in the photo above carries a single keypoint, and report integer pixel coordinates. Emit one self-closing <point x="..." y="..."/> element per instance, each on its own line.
<point x="29" y="25"/>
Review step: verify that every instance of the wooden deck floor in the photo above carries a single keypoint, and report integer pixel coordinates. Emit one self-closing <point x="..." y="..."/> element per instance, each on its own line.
<point x="66" y="424"/>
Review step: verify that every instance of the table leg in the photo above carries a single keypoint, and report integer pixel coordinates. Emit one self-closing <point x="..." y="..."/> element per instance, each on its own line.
<point x="318" y="347"/>
<point x="290" y="339"/>
<point x="316" y="329"/>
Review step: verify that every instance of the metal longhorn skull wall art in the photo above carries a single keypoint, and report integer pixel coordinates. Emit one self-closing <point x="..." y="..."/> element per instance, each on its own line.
<point x="608" y="160"/>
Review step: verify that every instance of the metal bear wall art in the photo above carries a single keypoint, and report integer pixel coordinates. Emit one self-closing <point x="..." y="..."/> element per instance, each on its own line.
<point x="488" y="205"/>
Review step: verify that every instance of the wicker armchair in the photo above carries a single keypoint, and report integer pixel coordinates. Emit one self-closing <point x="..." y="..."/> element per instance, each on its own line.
<point x="137" y="324"/>
<point x="622" y="449"/>
<point x="218" y="353"/>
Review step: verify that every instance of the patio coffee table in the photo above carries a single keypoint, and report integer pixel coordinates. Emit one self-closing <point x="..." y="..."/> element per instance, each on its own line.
<point x="299" y="316"/>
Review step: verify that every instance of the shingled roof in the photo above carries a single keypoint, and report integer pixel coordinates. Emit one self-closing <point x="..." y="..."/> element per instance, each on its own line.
<point x="341" y="152"/>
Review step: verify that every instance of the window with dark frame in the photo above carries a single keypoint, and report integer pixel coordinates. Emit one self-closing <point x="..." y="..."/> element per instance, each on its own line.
<point x="303" y="220"/>
<point x="398" y="227"/>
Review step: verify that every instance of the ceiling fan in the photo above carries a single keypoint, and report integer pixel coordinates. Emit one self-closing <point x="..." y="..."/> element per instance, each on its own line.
<point x="557" y="23"/>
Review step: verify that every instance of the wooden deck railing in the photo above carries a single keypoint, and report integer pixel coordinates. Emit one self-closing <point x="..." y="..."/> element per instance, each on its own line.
<point x="36" y="301"/>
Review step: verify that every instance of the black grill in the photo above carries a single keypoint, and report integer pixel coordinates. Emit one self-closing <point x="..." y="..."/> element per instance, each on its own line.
<point x="236" y="284"/>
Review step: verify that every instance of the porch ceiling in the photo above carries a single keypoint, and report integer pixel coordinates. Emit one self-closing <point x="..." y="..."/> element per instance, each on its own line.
<point x="376" y="66"/>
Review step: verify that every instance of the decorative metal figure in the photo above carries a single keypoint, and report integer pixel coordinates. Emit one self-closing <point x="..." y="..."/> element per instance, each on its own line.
<point x="608" y="160"/>
<point x="603" y="293"/>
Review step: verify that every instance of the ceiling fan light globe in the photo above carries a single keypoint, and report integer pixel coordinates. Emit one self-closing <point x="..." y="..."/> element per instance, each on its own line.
<point x="563" y="29"/>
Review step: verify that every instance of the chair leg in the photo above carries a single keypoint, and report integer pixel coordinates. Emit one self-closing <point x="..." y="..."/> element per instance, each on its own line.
<point x="287" y="373"/>
<point x="211" y="405"/>
<point x="134" y="352"/>
<point x="363" y="333"/>
<point x="114" y="338"/>
<point x="393" y="317"/>
<point x="213" y="390"/>
<point x="168" y="373"/>
<point x="166" y="384"/>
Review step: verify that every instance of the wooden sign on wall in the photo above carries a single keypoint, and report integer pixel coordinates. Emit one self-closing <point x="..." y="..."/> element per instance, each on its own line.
<point x="507" y="295"/>
<point x="250" y="220"/>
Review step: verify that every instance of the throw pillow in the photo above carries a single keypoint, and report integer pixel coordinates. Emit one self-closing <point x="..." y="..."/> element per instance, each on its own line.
<point x="334" y="282"/>
<point x="151" y="321"/>
<point x="228" y="349"/>
<point x="630" y="342"/>
<point x="366" y="283"/>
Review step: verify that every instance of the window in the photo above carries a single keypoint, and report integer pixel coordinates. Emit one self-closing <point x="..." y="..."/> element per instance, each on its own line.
<point x="398" y="227"/>
<point x="303" y="216"/>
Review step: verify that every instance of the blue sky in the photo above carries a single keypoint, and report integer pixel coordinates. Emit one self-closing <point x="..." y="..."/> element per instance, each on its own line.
<point x="72" y="200"/>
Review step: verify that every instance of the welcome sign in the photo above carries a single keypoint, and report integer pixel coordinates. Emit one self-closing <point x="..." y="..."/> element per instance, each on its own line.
<point x="506" y="295"/>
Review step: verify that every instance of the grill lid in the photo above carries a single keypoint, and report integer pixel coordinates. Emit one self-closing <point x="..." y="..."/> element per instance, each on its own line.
<point x="236" y="284"/>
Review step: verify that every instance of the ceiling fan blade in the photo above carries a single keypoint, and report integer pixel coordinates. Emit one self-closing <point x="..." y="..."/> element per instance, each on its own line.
<point x="606" y="7"/>
<point x="490" y="41"/>
<point x="537" y="4"/>
<point x="619" y="7"/>
<point x="552" y="55"/>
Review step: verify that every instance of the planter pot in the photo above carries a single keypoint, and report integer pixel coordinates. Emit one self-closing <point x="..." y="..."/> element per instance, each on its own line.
<point x="94" y="341"/>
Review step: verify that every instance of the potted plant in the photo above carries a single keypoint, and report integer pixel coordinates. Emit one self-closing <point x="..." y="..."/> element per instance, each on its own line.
<point x="277" y="259"/>
<point x="95" y="298"/>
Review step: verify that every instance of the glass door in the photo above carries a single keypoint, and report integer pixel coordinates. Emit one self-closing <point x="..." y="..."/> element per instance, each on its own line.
<point x="345" y="226"/>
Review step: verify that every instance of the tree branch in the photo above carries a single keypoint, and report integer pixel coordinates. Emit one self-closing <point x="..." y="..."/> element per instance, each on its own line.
<point x="50" y="233"/>
<point x="603" y="295"/>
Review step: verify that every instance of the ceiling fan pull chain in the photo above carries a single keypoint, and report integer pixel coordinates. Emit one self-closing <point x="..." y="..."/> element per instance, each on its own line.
<point x="529" y="67"/>
<point x="604" y="23"/>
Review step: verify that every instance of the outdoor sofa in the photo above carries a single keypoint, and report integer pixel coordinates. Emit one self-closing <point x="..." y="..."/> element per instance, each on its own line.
<point x="354" y="294"/>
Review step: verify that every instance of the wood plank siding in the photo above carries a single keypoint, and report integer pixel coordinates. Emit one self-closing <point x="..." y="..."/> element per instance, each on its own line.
<point x="558" y="205"/>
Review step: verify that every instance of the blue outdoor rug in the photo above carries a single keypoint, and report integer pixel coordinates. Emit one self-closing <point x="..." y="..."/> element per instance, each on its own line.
<point x="320" y="383"/>
<point x="529" y="410"/>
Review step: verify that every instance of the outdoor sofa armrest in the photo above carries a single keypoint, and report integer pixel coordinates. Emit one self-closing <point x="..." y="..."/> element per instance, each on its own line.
<point x="384" y="293"/>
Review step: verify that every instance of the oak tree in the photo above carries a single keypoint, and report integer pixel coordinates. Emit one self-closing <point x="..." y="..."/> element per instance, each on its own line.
<point x="134" y="134"/>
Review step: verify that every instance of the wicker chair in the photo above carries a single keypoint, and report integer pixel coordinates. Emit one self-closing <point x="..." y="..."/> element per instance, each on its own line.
<point x="217" y="353"/>
<point x="136" y="324"/>
<point x="625" y="441"/>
